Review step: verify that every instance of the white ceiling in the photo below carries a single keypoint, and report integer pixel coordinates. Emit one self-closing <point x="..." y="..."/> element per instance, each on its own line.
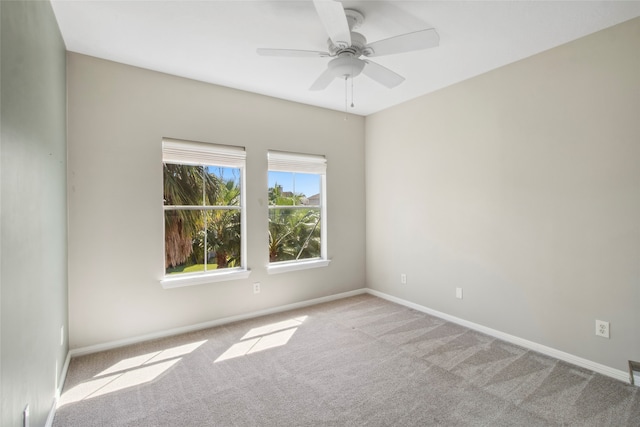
<point x="216" y="41"/>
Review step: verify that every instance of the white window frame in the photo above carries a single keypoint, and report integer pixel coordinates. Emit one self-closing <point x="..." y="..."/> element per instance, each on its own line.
<point x="208" y="154"/>
<point x="280" y="161"/>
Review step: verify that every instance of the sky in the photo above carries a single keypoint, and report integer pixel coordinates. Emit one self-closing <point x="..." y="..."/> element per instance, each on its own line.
<point x="307" y="184"/>
<point x="225" y="173"/>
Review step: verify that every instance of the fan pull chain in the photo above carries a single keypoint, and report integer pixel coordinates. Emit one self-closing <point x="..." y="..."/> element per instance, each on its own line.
<point x="352" y="105"/>
<point x="345" y="97"/>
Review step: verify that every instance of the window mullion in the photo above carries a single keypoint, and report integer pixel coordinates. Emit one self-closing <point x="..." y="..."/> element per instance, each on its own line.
<point x="294" y="188"/>
<point x="186" y="249"/>
<point x="205" y="250"/>
<point x="297" y="230"/>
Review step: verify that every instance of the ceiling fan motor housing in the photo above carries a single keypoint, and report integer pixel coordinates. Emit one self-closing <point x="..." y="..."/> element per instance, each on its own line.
<point x="355" y="18"/>
<point x="358" y="46"/>
<point x="346" y="47"/>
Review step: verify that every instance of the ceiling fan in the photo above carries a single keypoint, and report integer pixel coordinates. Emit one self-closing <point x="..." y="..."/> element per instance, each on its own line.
<point x="346" y="47"/>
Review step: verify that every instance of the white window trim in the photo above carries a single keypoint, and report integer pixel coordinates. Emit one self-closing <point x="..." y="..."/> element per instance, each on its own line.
<point x="199" y="153"/>
<point x="287" y="266"/>
<point x="179" y="281"/>
<point x="303" y="163"/>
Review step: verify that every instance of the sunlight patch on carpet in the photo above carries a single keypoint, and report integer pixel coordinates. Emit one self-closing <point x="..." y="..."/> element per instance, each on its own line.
<point x="263" y="338"/>
<point x="128" y="372"/>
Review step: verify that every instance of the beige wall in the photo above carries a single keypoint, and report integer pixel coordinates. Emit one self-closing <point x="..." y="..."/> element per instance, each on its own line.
<point x="117" y="117"/>
<point x="33" y="227"/>
<point x="522" y="186"/>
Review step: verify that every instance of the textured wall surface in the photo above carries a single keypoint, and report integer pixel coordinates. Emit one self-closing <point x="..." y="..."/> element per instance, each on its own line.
<point x="33" y="227"/>
<point x="521" y="186"/>
<point x="118" y="116"/>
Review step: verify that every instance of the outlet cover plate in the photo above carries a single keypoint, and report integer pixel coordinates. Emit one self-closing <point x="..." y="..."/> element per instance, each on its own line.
<point x="602" y="328"/>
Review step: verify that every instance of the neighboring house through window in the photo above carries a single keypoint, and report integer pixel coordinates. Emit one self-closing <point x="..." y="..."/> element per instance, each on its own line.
<point x="297" y="211"/>
<point x="204" y="212"/>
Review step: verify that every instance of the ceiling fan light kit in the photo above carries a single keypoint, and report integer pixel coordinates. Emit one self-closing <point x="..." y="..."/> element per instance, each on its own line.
<point x="346" y="65"/>
<point x="346" y="47"/>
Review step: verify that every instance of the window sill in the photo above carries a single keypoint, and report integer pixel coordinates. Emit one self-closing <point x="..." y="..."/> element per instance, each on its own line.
<point x="201" y="279"/>
<point x="287" y="266"/>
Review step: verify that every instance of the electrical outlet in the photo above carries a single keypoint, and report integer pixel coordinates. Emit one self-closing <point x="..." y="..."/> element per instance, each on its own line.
<point x="602" y="328"/>
<point x="256" y="288"/>
<point x="403" y="279"/>
<point x="459" y="293"/>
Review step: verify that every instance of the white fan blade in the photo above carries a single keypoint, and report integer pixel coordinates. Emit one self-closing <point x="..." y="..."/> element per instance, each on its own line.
<point x="290" y="52"/>
<point x="323" y="81"/>
<point x="334" y="20"/>
<point x="418" y="40"/>
<point x="382" y="75"/>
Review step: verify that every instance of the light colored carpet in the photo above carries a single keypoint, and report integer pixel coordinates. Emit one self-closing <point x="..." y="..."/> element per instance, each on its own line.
<point x="356" y="361"/>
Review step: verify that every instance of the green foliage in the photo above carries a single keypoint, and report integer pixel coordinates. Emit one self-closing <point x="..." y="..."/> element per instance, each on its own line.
<point x="191" y="235"/>
<point x="294" y="234"/>
<point x="279" y="198"/>
<point x="199" y="239"/>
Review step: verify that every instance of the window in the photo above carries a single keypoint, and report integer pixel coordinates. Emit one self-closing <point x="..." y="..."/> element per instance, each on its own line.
<point x="297" y="211"/>
<point x="204" y="217"/>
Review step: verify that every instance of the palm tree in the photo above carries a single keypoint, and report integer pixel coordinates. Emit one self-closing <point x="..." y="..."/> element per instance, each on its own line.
<point x="223" y="226"/>
<point x="185" y="185"/>
<point x="293" y="233"/>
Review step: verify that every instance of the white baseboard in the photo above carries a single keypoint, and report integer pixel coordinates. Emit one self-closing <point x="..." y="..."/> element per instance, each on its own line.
<point x="81" y="351"/>
<point x="569" y="358"/>
<point x="56" y="398"/>
<point x="549" y="351"/>
<point x="63" y="375"/>
<point x="561" y="355"/>
<point x="52" y="413"/>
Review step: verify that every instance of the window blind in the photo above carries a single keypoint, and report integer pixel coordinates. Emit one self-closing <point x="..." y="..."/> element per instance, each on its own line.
<point x="292" y="162"/>
<point x="202" y="153"/>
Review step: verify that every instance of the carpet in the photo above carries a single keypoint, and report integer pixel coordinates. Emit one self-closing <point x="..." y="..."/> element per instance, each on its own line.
<point x="360" y="361"/>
